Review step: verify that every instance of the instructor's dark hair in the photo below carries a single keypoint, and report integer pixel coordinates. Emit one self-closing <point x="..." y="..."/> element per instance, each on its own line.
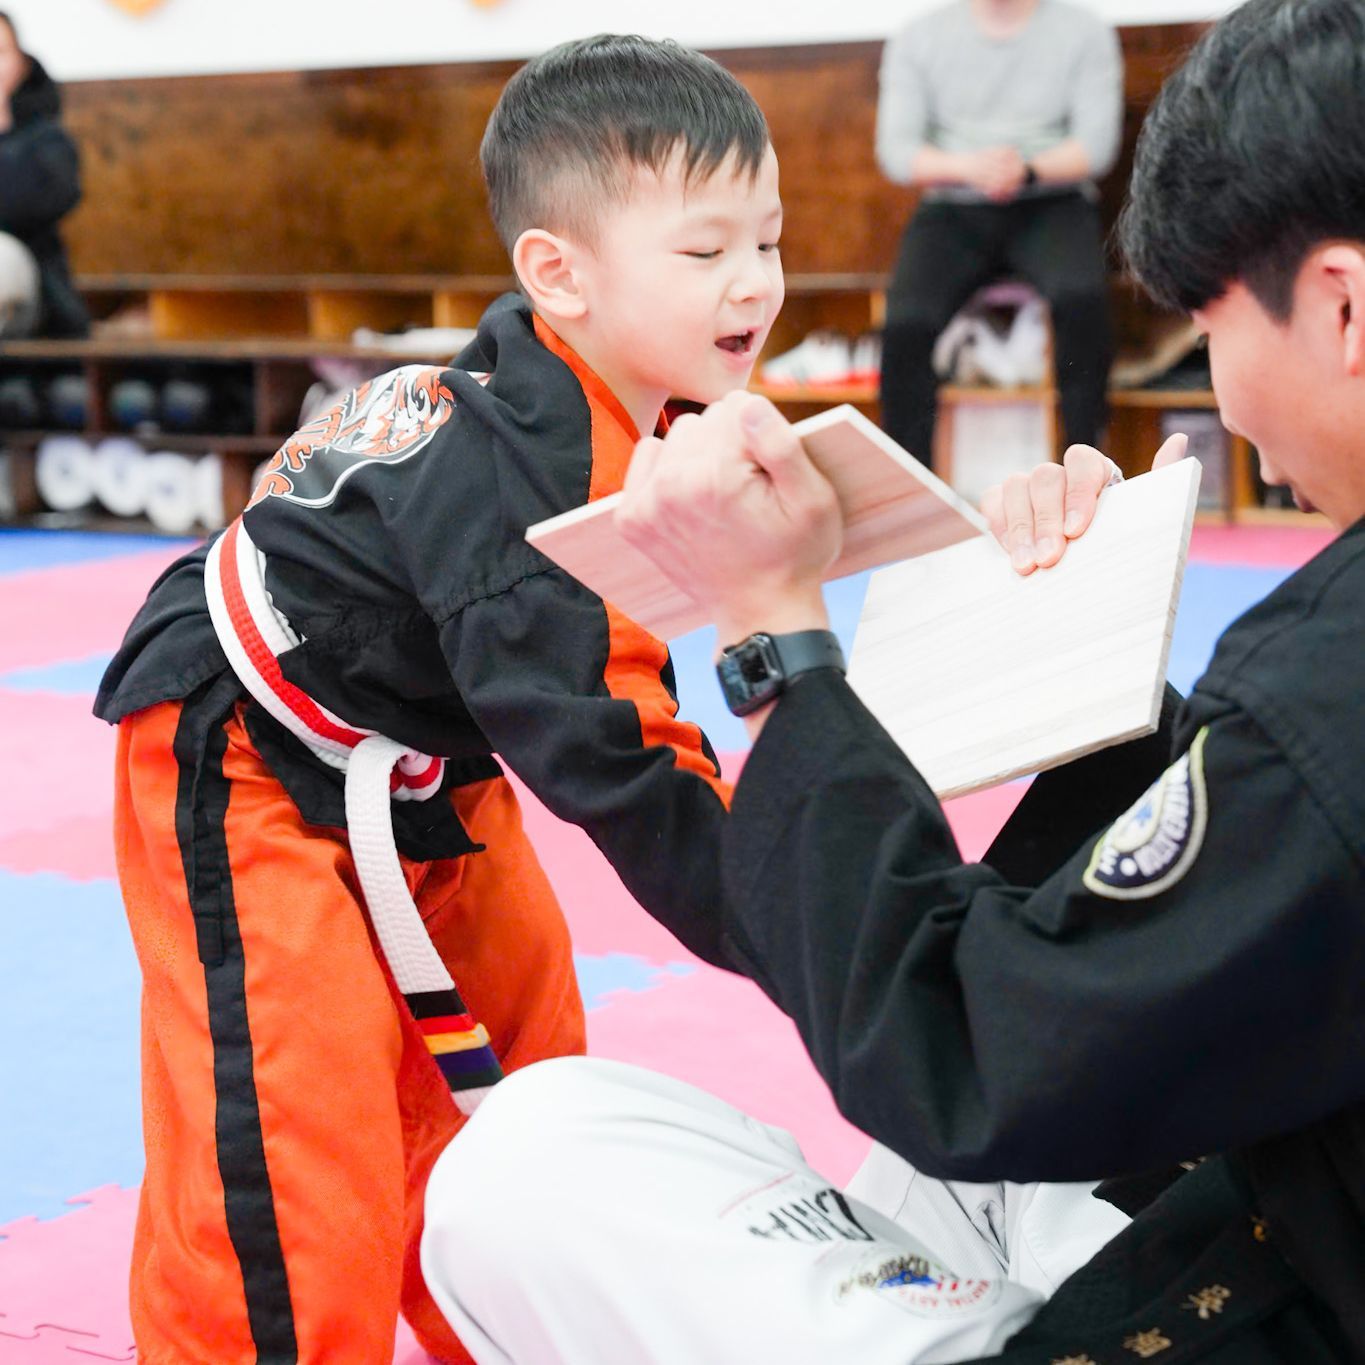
<point x="1252" y="155"/>
<point x="571" y="126"/>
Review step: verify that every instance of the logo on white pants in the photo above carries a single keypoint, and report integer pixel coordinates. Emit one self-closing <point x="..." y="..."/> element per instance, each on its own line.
<point x="920" y="1285"/>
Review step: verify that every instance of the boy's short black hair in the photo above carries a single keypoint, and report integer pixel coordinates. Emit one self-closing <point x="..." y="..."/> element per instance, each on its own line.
<point x="1253" y="154"/>
<point x="572" y="125"/>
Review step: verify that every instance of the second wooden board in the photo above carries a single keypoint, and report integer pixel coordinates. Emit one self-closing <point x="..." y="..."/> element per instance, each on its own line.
<point x="893" y="507"/>
<point x="981" y="676"/>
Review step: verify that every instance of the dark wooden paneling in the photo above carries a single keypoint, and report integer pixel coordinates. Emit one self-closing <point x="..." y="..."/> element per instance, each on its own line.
<point x="362" y="172"/>
<point x="376" y="171"/>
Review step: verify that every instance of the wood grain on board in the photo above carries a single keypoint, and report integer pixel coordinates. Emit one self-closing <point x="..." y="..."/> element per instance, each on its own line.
<point x="894" y="509"/>
<point x="981" y="676"/>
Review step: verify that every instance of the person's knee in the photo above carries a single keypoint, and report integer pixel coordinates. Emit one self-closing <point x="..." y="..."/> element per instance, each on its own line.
<point x="540" y="1125"/>
<point x="517" y="1163"/>
<point x="522" y="1131"/>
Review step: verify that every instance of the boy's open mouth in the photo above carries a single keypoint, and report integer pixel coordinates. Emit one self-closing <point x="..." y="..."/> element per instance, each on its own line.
<point x="738" y="344"/>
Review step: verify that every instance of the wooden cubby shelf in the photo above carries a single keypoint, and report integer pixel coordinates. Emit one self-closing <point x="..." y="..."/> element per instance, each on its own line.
<point x="273" y="327"/>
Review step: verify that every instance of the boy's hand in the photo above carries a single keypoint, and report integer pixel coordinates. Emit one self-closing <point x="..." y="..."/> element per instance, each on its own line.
<point x="1034" y="515"/>
<point x="731" y="508"/>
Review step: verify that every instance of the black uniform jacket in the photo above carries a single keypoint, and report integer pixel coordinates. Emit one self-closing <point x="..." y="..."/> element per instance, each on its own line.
<point x="1187" y="981"/>
<point x="39" y="185"/>
<point x="393" y="530"/>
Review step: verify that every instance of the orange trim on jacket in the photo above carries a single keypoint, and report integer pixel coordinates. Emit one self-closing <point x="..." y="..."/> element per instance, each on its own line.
<point x="636" y="659"/>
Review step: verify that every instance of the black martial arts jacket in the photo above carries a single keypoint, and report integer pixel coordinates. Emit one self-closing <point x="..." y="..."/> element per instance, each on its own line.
<point x="1186" y="981"/>
<point x="39" y="185"/>
<point x="393" y="533"/>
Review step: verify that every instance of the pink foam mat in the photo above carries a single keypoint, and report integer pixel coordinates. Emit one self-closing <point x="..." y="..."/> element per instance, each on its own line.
<point x="58" y="762"/>
<point x="63" y="1283"/>
<point x="49" y="616"/>
<point x="1259" y="546"/>
<point x="80" y="849"/>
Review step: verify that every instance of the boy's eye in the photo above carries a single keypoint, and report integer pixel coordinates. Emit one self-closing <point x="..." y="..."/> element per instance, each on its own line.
<point x="770" y="246"/>
<point x="702" y="255"/>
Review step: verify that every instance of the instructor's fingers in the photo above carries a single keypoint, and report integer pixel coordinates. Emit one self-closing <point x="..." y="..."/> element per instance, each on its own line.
<point x="769" y="440"/>
<point x="1047" y="492"/>
<point x="1018" y="538"/>
<point x="1173" y="450"/>
<point x="1087" y="474"/>
<point x="993" y="509"/>
<point x="772" y="443"/>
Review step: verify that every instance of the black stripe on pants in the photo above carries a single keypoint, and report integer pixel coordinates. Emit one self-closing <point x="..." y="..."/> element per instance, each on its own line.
<point x="200" y="810"/>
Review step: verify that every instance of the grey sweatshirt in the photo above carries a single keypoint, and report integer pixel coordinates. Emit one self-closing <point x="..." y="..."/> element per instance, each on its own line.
<point x="945" y="83"/>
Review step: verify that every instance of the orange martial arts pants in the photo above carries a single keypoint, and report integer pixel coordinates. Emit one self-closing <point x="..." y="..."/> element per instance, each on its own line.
<point x="291" y="1111"/>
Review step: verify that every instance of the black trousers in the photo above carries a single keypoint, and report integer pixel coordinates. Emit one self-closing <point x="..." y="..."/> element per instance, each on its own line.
<point x="950" y="250"/>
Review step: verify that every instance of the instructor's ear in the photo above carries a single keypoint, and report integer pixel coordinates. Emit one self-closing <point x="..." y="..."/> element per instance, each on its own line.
<point x="545" y="265"/>
<point x="1345" y="265"/>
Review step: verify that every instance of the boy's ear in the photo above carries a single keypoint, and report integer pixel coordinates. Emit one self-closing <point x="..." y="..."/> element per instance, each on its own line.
<point x="1344" y="266"/>
<point x="546" y="265"/>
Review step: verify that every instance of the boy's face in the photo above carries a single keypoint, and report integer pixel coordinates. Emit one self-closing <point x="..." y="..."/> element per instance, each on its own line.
<point x="683" y="284"/>
<point x="1287" y="387"/>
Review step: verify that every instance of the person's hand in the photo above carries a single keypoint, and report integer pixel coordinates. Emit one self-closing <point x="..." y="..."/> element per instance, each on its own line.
<point x="731" y="508"/>
<point x="1034" y="515"/>
<point x="998" y="172"/>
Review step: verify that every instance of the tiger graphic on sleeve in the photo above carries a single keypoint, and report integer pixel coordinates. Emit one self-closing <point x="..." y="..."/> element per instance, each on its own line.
<point x="388" y="419"/>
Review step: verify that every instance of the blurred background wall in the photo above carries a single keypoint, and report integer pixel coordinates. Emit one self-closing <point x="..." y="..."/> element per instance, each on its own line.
<point x="91" y="39"/>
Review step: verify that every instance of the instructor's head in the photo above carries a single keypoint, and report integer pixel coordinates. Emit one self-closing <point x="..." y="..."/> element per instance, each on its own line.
<point x="1247" y="209"/>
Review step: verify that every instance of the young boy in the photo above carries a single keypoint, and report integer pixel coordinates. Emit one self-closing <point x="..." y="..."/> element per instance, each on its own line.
<point x="1181" y="983"/>
<point x="376" y="620"/>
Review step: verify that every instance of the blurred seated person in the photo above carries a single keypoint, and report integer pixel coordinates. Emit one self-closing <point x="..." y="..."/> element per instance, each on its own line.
<point x="39" y="186"/>
<point x="1004" y="113"/>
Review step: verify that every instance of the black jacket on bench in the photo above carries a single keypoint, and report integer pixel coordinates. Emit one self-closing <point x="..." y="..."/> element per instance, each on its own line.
<point x="40" y="183"/>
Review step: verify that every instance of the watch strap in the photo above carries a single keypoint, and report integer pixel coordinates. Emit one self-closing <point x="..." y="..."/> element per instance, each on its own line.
<point x="802" y="651"/>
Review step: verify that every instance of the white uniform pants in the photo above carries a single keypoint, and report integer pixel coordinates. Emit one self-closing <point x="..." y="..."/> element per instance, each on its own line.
<point x="594" y="1213"/>
<point x="19" y="289"/>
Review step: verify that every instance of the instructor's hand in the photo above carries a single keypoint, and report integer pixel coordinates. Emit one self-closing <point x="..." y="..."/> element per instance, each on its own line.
<point x="1034" y="515"/>
<point x="730" y="507"/>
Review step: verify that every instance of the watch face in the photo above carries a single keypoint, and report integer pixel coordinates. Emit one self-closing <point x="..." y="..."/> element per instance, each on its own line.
<point x="749" y="674"/>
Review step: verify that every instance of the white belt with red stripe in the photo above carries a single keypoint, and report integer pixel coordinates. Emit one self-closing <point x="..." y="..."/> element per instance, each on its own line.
<point x="253" y="636"/>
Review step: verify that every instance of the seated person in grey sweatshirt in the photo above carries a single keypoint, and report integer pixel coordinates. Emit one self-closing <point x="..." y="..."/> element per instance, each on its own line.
<point x="1004" y="113"/>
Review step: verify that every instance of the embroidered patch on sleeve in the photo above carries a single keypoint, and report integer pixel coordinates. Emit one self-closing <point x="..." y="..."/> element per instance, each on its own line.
<point x="1154" y="844"/>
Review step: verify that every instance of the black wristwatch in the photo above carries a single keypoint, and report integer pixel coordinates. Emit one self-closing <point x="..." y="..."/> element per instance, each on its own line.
<point x="760" y="668"/>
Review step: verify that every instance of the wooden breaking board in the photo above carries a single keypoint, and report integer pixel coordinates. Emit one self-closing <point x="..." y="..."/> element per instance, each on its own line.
<point x="981" y="676"/>
<point x="894" y="509"/>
